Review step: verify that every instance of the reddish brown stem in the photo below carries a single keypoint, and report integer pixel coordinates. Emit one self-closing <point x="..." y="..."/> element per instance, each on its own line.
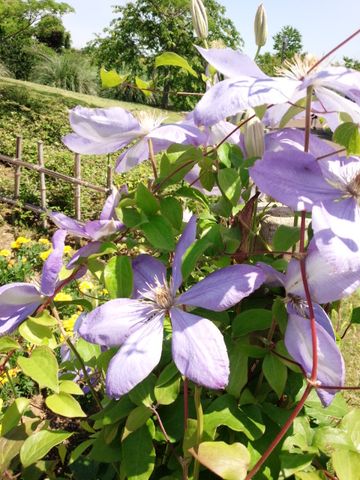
<point x="341" y="44"/>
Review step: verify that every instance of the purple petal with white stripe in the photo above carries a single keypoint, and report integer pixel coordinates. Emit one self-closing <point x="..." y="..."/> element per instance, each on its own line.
<point x="72" y="226"/>
<point x="186" y="240"/>
<point x="114" y="321"/>
<point x="83" y="252"/>
<point x="99" y="229"/>
<point x="224" y="288"/>
<point x="108" y="211"/>
<point x="199" y="350"/>
<point x="146" y="270"/>
<point x="53" y="264"/>
<point x="17" y="302"/>
<point x="137" y="357"/>
<point x="133" y="156"/>
<point x="331" y="368"/>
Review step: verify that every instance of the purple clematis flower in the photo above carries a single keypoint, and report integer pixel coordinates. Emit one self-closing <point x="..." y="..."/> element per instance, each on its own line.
<point x="247" y="86"/>
<point x="328" y="188"/>
<point x="107" y="130"/>
<point x="298" y="338"/>
<point x="19" y="300"/>
<point x="95" y="230"/>
<point x="198" y="348"/>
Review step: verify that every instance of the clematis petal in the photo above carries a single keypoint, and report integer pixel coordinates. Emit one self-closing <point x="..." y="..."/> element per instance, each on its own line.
<point x="146" y="270"/>
<point x="53" y="264"/>
<point x="224" y="288"/>
<point x="17" y="302"/>
<point x="104" y="124"/>
<point x="321" y="317"/>
<point x="98" y="229"/>
<point x="84" y="252"/>
<point x="79" y="144"/>
<point x="273" y="278"/>
<point x="182" y="133"/>
<point x="199" y="350"/>
<point x="108" y="211"/>
<point x="185" y="241"/>
<point x="269" y="91"/>
<point x="133" y="156"/>
<point x="137" y="357"/>
<point x="72" y="226"/>
<point x="318" y="273"/>
<point x="231" y="63"/>
<point x="341" y="79"/>
<point x="114" y="321"/>
<point x="293" y="178"/>
<point x="331" y="369"/>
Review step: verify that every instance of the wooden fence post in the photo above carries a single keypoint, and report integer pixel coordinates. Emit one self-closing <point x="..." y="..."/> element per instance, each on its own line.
<point x="41" y="162"/>
<point x="109" y="178"/>
<point x="77" y="190"/>
<point x="18" y="155"/>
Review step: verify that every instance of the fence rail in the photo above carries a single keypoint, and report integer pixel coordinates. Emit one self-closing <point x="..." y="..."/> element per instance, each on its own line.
<point x="40" y="168"/>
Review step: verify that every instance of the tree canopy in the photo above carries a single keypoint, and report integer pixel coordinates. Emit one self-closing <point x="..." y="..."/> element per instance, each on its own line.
<point x="144" y="29"/>
<point x="287" y="42"/>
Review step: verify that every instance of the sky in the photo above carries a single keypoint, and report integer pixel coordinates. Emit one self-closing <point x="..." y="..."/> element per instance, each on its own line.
<point x="322" y="23"/>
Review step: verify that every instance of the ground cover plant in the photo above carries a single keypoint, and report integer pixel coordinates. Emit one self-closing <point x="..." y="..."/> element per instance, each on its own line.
<point x="178" y="341"/>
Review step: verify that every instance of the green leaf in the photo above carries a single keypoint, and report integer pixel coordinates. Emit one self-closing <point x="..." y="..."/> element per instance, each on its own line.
<point x="88" y="351"/>
<point x="118" y="277"/>
<point x="295" y="109"/>
<point x="275" y="373"/>
<point x="230" y="462"/>
<point x="171" y="209"/>
<point x="39" y="444"/>
<point x="190" y="437"/>
<point x="34" y="367"/>
<point x="230" y="155"/>
<point x="346" y="464"/>
<point x="144" y="86"/>
<point x="37" y="334"/>
<point x="13" y="414"/>
<point x="7" y="344"/>
<point x="177" y="162"/>
<point x="138" y="453"/>
<point x="348" y="135"/>
<point x="110" y="79"/>
<point x="145" y="200"/>
<point x="251" y="321"/>
<point x="285" y="237"/>
<point x="11" y="443"/>
<point x="68" y="386"/>
<point x="44" y="319"/>
<point x="327" y="438"/>
<point x="167" y="386"/>
<point x="350" y="424"/>
<point x="238" y="369"/>
<point x="355" y="315"/>
<point x="175" y="60"/>
<point x="158" y="232"/>
<point x="294" y="462"/>
<point x="230" y="184"/>
<point x="114" y="412"/>
<point x="64" y="404"/>
<point x="136" y="419"/>
<point x="75" y="454"/>
<point x="143" y="393"/>
<point x="225" y="411"/>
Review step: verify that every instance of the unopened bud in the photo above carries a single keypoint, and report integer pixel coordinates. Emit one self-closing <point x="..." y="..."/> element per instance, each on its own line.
<point x="260" y="26"/>
<point x="254" y="135"/>
<point x="199" y="18"/>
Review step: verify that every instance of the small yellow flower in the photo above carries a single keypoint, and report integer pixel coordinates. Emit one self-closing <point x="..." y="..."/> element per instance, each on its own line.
<point x="68" y="249"/>
<point x="11" y="263"/>
<point x="104" y="291"/>
<point x="44" y="241"/>
<point x="24" y="260"/>
<point x="44" y="255"/>
<point x="20" y="241"/>
<point x="62" y="297"/>
<point x="5" y="253"/>
<point x="85" y="286"/>
<point x="70" y="323"/>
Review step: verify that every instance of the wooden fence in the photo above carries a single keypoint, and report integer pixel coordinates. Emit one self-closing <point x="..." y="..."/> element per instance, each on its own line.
<point x="76" y="180"/>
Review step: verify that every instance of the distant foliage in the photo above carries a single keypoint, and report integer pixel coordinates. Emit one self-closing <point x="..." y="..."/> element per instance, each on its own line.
<point x="51" y="31"/>
<point x="352" y="63"/>
<point x="71" y="71"/>
<point x="287" y="42"/>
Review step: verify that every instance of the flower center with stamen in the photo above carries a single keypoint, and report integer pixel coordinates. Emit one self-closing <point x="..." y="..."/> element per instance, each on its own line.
<point x="149" y="120"/>
<point x="299" y="304"/>
<point x="297" y="67"/>
<point x="159" y="295"/>
<point x="354" y="187"/>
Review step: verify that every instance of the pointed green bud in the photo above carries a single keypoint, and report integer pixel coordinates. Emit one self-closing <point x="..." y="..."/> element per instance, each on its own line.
<point x="260" y="26"/>
<point x="254" y="135"/>
<point x="199" y="19"/>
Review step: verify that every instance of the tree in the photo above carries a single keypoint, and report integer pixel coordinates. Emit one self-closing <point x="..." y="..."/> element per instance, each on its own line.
<point x="144" y="29"/>
<point x="352" y="63"/>
<point x="17" y="21"/>
<point x="268" y="63"/>
<point x="287" y="42"/>
<point x="51" y="31"/>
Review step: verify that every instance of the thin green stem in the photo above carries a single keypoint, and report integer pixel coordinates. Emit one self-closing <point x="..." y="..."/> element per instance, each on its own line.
<point x="257" y="52"/>
<point x="152" y="158"/>
<point x="199" y="428"/>
<point x="77" y="355"/>
<point x="11" y="383"/>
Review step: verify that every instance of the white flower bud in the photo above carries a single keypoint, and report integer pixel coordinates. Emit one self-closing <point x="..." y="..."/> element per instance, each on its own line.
<point x="260" y="26"/>
<point x="254" y="135"/>
<point x="199" y="18"/>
